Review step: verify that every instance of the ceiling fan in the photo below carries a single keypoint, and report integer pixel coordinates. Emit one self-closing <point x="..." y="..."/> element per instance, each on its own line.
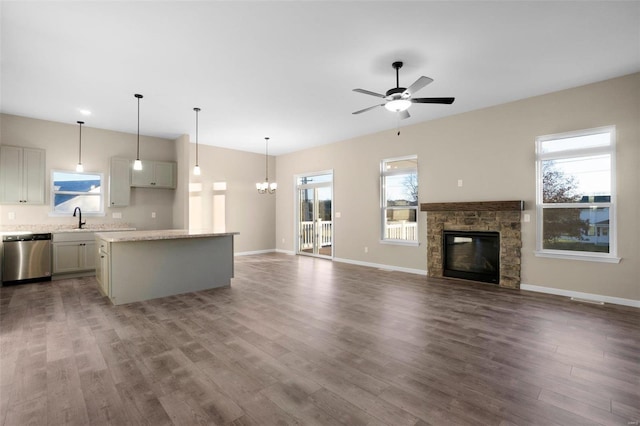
<point x="399" y="99"/>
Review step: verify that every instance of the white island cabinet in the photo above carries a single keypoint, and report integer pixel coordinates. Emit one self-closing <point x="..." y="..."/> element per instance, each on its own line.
<point x="134" y="266"/>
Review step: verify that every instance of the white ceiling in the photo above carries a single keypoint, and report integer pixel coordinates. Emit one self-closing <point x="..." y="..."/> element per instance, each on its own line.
<point x="287" y="69"/>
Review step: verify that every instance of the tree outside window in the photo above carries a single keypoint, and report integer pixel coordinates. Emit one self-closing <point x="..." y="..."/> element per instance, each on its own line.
<point x="576" y="193"/>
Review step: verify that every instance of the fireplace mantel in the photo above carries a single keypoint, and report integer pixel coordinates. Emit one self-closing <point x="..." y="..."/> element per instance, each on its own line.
<point x="477" y="206"/>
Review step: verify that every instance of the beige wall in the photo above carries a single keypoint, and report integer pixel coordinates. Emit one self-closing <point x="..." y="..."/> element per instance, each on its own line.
<point x="493" y="151"/>
<point x="60" y="140"/>
<point x="246" y="211"/>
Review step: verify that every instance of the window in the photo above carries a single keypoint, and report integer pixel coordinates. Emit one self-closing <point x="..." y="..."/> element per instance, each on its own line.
<point x="72" y="189"/>
<point x="576" y="195"/>
<point x="399" y="200"/>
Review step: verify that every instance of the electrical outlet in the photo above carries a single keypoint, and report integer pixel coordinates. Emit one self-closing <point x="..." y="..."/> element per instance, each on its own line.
<point x="116" y="215"/>
<point x="153" y="215"/>
<point x="366" y="249"/>
<point x="527" y="217"/>
<point x="459" y="183"/>
<point x="12" y="215"/>
<point x="283" y="241"/>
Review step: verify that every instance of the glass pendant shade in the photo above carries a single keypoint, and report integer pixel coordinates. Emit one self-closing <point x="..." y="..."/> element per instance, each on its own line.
<point x="137" y="165"/>
<point x="196" y="170"/>
<point x="397" y="105"/>
<point x="79" y="168"/>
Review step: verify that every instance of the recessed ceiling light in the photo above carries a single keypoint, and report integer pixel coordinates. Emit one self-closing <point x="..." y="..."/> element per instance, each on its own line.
<point x="84" y="111"/>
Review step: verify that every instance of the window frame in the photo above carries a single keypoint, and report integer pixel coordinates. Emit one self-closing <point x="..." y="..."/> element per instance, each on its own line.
<point x="383" y="202"/>
<point x="53" y="192"/>
<point x="612" y="255"/>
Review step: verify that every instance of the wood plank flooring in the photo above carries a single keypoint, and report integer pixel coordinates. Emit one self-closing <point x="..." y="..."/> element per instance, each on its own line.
<point x="300" y="340"/>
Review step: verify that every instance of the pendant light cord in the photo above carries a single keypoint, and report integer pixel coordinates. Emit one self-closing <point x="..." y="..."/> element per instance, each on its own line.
<point x="266" y="160"/>
<point x="138" y="149"/>
<point x="197" y="110"/>
<point x="80" y="143"/>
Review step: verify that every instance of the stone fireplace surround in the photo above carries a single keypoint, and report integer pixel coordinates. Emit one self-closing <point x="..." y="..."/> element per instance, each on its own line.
<point x="496" y="216"/>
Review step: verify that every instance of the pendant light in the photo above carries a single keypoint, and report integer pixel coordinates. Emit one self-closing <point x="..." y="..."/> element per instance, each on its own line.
<point x="137" y="165"/>
<point x="196" y="168"/>
<point x="79" y="167"/>
<point x="264" y="187"/>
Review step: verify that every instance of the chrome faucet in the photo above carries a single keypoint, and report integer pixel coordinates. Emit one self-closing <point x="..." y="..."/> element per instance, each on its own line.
<point x="80" y="222"/>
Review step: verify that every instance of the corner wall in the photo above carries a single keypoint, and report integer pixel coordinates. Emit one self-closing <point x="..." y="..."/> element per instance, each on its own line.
<point x="246" y="211"/>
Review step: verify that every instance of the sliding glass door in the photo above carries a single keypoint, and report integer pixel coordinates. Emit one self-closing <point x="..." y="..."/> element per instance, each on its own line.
<point x="315" y="214"/>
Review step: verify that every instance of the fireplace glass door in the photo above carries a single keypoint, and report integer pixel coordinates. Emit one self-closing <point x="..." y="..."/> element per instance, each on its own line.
<point x="472" y="255"/>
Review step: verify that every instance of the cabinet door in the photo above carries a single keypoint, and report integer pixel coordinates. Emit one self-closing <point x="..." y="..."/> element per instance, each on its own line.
<point x="119" y="182"/>
<point x="33" y="176"/>
<point x="104" y="276"/>
<point x="89" y="260"/>
<point x="165" y="175"/>
<point x="21" y="175"/>
<point x="67" y="257"/>
<point x="144" y="177"/>
<point x="10" y="174"/>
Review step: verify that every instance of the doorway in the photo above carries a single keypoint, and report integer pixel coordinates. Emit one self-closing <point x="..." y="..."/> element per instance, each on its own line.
<point x="314" y="218"/>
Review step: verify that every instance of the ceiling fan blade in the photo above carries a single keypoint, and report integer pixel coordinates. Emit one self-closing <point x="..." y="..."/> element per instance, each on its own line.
<point x="368" y="92"/>
<point x="417" y="85"/>
<point x="433" y="100"/>
<point x="403" y="114"/>
<point x="367" y="109"/>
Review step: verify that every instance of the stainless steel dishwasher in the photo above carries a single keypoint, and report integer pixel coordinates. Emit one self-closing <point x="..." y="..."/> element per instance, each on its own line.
<point x="26" y="257"/>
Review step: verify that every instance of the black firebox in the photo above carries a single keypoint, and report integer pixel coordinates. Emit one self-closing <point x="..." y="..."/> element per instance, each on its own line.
<point x="472" y="255"/>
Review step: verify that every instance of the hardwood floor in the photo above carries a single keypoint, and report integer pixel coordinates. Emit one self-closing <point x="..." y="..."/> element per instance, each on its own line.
<point x="300" y="340"/>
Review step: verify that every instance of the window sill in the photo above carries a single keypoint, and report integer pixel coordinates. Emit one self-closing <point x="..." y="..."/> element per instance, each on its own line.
<point x="401" y="243"/>
<point x="578" y="256"/>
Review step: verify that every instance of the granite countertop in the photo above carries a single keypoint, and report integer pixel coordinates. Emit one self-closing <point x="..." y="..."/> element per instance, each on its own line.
<point x="56" y="229"/>
<point x="162" y="234"/>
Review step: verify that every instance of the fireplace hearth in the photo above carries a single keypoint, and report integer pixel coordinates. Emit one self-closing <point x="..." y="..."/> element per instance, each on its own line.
<point x="471" y="255"/>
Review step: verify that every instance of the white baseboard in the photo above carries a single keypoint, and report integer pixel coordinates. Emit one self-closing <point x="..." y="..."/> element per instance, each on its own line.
<point x="249" y="253"/>
<point x="381" y="266"/>
<point x="289" y="252"/>
<point x="580" y="295"/>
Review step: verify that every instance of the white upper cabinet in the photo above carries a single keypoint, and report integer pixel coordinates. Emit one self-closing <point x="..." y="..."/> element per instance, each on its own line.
<point x="119" y="182"/>
<point x="155" y="174"/>
<point x="22" y="175"/>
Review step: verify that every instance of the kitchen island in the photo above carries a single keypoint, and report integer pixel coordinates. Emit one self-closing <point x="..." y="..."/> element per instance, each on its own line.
<point x="133" y="266"/>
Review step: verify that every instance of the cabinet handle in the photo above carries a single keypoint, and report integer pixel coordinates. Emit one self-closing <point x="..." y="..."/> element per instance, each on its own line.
<point x="102" y="257"/>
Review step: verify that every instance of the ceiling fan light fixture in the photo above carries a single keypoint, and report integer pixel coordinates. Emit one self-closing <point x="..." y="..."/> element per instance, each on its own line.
<point x="398" y="105"/>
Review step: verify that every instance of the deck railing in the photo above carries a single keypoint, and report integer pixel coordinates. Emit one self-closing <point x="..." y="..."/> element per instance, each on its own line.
<point x="402" y="230"/>
<point x="398" y="230"/>
<point x="307" y="233"/>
